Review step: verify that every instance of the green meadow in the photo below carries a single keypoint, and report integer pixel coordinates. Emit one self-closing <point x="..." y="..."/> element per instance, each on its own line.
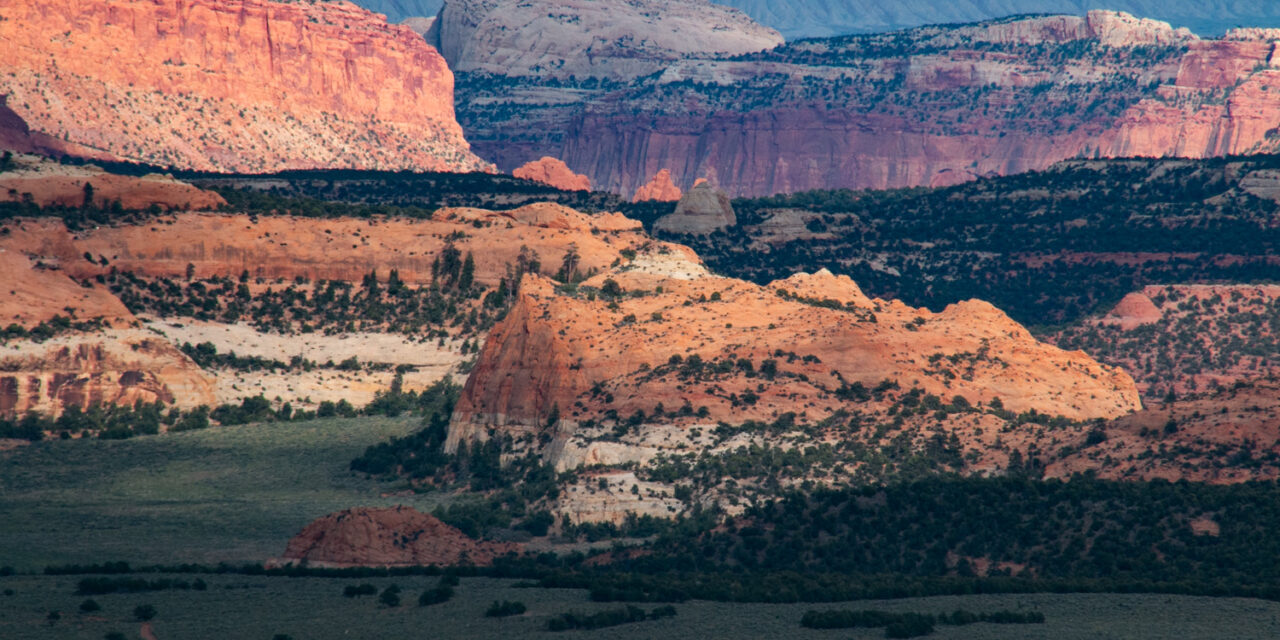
<point x="233" y="494"/>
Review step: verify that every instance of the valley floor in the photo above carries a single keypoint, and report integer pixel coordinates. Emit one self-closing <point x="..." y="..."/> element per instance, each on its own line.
<point x="236" y="606"/>
<point x="226" y="494"/>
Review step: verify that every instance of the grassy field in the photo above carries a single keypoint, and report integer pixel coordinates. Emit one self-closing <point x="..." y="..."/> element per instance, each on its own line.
<point x="233" y="494"/>
<point x="313" y="608"/>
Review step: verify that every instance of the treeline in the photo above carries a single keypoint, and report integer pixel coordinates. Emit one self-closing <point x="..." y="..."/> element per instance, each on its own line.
<point x="117" y="422"/>
<point x="610" y="618"/>
<point x="911" y="625"/>
<point x="1041" y="246"/>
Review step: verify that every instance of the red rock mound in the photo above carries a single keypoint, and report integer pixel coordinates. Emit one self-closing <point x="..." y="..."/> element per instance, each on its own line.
<point x="398" y="536"/>
<point x="1134" y="310"/>
<point x="659" y="188"/>
<point x="553" y="172"/>
<point x="239" y="85"/>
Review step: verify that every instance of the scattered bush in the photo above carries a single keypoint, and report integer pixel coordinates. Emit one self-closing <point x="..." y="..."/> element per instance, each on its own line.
<point x="504" y="609"/>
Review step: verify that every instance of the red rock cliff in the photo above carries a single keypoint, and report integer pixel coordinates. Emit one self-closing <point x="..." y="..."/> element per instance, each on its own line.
<point x="235" y="85"/>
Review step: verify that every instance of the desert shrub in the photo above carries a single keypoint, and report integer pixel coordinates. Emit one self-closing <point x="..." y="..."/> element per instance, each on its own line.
<point x="504" y="609"/>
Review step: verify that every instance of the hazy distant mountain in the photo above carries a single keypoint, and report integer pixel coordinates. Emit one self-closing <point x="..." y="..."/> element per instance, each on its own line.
<point x="812" y="18"/>
<point x="815" y="18"/>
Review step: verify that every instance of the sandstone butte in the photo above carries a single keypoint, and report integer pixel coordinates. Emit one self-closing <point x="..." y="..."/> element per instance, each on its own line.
<point x="388" y="537"/>
<point x="1218" y="98"/>
<point x="659" y="187"/>
<point x="553" y="172"/>
<point x="701" y="210"/>
<point x="584" y="38"/>
<point x="559" y="359"/>
<point x="238" y="85"/>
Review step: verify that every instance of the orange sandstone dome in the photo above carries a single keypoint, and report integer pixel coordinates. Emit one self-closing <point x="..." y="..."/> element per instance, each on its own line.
<point x="627" y="341"/>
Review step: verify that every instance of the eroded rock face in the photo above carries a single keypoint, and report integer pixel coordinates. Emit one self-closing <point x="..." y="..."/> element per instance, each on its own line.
<point x="112" y="367"/>
<point x="736" y="351"/>
<point x="956" y="103"/>
<point x="240" y="85"/>
<point x="553" y="172"/>
<point x="659" y="187"/>
<point x="584" y="38"/>
<point x="388" y="537"/>
<point x="701" y="210"/>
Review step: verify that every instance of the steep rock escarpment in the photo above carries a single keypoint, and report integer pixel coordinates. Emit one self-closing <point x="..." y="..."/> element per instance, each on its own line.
<point x="583" y="38"/>
<point x="932" y="106"/>
<point x="388" y="537"/>
<point x="661" y="333"/>
<point x="236" y="85"/>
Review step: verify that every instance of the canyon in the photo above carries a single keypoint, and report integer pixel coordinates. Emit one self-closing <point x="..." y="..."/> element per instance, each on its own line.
<point x="930" y="106"/>
<point x="246" y="85"/>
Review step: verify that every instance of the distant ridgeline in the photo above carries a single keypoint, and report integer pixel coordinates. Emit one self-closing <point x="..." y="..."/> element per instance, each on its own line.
<point x="1046" y="247"/>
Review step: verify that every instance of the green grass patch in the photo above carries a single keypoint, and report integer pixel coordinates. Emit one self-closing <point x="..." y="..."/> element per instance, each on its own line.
<point x="232" y="494"/>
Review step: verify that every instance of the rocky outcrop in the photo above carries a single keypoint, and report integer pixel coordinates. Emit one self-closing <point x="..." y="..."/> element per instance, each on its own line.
<point x="584" y="38"/>
<point x="388" y="537"/>
<point x="343" y="249"/>
<point x="36" y="290"/>
<point x="240" y="85"/>
<point x="728" y="350"/>
<point x="112" y="367"/>
<point x="553" y="172"/>
<point x="48" y="183"/>
<point x="1119" y="29"/>
<point x="659" y="188"/>
<point x="702" y="210"/>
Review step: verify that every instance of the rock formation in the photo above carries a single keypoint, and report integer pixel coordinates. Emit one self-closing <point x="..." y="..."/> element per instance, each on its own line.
<point x="234" y="85"/>
<point x="660" y="333"/>
<point x="113" y="367"/>
<point x="37" y="290"/>
<point x="388" y="537"/>
<point x="48" y="183"/>
<point x="583" y="38"/>
<point x="344" y="249"/>
<point x="701" y="210"/>
<point x="553" y="172"/>
<point x="659" y="188"/>
<point x="953" y="103"/>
